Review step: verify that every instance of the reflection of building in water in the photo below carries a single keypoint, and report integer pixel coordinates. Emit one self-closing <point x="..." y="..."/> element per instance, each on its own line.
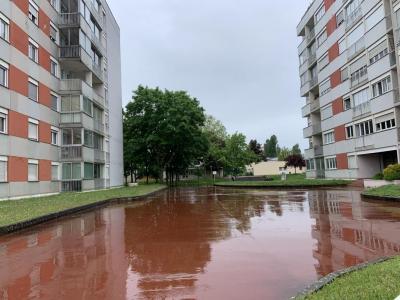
<point x="347" y="231"/>
<point x="72" y="260"/>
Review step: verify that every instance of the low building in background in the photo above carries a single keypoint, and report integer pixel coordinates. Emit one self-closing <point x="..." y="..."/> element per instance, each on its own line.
<point x="271" y="168"/>
<point x="61" y="102"/>
<point x="349" y="73"/>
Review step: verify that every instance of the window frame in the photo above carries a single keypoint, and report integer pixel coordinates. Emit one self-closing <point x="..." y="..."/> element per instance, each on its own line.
<point x="57" y="132"/>
<point x="36" y="123"/>
<point x="6" y="67"/>
<point x="33" y="162"/>
<point x="4" y="112"/>
<point x="33" y="51"/>
<point x="33" y="17"/>
<point x="35" y="83"/>
<point x="6" y="22"/>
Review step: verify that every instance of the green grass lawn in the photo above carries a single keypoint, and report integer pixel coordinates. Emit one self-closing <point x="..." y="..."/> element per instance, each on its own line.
<point x="292" y="181"/>
<point x="15" y="211"/>
<point x="199" y="182"/>
<point x="380" y="281"/>
<point x="384" y="191"/>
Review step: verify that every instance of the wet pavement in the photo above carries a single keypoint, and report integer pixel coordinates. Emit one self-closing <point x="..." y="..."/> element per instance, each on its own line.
<point x="207" y="243"/>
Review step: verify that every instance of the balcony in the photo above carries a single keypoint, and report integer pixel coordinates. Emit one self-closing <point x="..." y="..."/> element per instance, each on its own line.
<point x="75" y="54"/>
<point x="99" y="156"/>
<point x="362" y="109"/>
<point x="359" y="79"/>
<point x="98" y="126"/>
<point x="70" y="153"/>
<point x="306" y="110"/>
<point x="71" y="185"/>
<point x="356" y="49"/>
<point x="310" y="36"/>
<point x="315" y="105"/>
<point x="312" y="59"/>
<point x="71" y="118"/>
<point x="353" y="18"/>
<point x="314" y="152"/>
<point x="69" y="20"/>
<point x="78" y="86"/>
<point x="312" y="130"/>
<point x="98" y="71"/>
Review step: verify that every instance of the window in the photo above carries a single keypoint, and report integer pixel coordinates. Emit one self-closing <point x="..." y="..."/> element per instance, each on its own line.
<point x="340" y="18"/>
<point x="385" y="122"/>
<point x="33" y="12"/>
<point x="33" y="170"/>
<point x="349" y="132"/>
<point x="347" y="104"/>
<point x="88" y="138"/>
<point x="97" y="141"/>
<point x="330" y="163"/>
<point x="33" y="51"/>
<point x="323" y="62"/>
<point x="374" y="18"/>
<point x="329" y="138"/>
<point x="71" y="104"/>
<point x="3" y="168"/>
<point x="4" y="73"/>
<point x="364" y="128"/>
<point x="72" y="136"/>
<point x="322" y="38"/>
<point x="54" y="101"/>
<point x="3" y="120"/>
<point x="33" y="90"/>
<point x="361" y="97"/>
<point x="326" y="112"/>
<point x="320" y="13"/>
<point x="87" y="106"/>
<point x="355" y="35"/>
<point x="54" y="136"/>
<point x="71" y="171"/>
<point x="53" y="32"/>
<point x="381" y="87"/>
<point x="359" y="76"/>
<point x="378" y="52"/>
<point x="53" y="67"/>
<point x="97" y="171"/>
<point x="55" y="173"/>
<point x="344" y="74"/>
<point x="342" y="46"/>
<point x="310" y="164"/>
<point x="325" y="87"/>
<point x="4" y="27"/>
<point x="88" y="171"/>
<point x="33" y="126"/>
<point x="352" y="162"/>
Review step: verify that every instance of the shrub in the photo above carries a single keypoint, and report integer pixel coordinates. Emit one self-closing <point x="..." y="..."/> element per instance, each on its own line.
<point x="378" y="176"/>
<point x="392" y="172"/>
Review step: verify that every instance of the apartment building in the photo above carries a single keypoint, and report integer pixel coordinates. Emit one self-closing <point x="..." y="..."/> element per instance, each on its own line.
<point x="349" y="73"/>
<point x="60" y="97"/>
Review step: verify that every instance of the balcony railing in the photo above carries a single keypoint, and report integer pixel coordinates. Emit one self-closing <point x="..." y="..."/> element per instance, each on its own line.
<point x="71" y="118"/>
<point x="70" y="19"/>
<point x="97" y="70"/>
<point x="362" y="109"/>
<point x="311" y="35"/>
<point x="315" y="105"/>
<point x="98" y="125"/>
<point x="353" y="18"/>
<point x="71" y="152"/>
<point x="70" y="51"/>
<point x="71" y="85"/>
<point x="359" y="79"/>
<point x="99" y="156"/>
<point x="356" y="48"/>
<point x="71" y="185"/>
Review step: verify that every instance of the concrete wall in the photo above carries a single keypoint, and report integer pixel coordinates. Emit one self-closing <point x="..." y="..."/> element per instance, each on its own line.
<point x="115" y="99"/>
<point x="271" y="168"/>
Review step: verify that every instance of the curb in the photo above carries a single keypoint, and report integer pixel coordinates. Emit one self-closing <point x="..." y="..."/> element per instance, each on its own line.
<point x="381" y="198"/>
<point x="88" y="207"/>
<point x="282" y="187"/>
<point x="320" y="284"/>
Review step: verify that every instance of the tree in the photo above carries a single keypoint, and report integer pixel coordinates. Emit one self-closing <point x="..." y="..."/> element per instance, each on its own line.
<point x="216" y="135"/>
<point x="163" y="131"/>
<point x="296" y="149"/>
<point x="284" y="153"/>
<point x="271" y="147"/>
<point x="295" y="161"/>
<point x="256" y="148"/>
<point x="238" y="155"/>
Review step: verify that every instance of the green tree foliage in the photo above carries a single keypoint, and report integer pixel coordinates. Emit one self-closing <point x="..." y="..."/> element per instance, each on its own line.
<point x="271" y="147"/>
<point x="284" y="153"/>
<point x="256" y="148"/>
<point x="295" y="161"/>
<point x="163" y="131"/>
<point x="392" y="172"/>
<point x="238" y="155"/>
<point x="296" y="149"/>
<point x="216" y="135"/>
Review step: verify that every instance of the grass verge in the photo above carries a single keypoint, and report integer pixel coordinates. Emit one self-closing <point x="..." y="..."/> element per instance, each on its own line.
<point x="16" y="211"/>
<point x="379" y="281"/>
<point x="292" y="181"/>
<point x="392" y="191"/>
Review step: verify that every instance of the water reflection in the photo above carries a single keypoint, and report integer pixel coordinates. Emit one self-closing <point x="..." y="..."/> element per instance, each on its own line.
<point x="199" y="243"/>
<point x="349" y="231"/>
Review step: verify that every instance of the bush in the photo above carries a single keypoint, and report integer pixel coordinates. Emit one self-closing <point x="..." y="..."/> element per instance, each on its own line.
<point x="392" y="172"/>
<point x="378" y="176"/>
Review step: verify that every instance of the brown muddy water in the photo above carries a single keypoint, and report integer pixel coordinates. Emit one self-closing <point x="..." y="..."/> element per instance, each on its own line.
<point x="207" y="243"/>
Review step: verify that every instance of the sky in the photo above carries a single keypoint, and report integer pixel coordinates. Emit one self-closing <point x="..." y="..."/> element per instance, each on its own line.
<point x="238" y="58"/>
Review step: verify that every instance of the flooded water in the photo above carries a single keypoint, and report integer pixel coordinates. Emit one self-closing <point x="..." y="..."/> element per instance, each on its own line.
<point x="199" y="244"/>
